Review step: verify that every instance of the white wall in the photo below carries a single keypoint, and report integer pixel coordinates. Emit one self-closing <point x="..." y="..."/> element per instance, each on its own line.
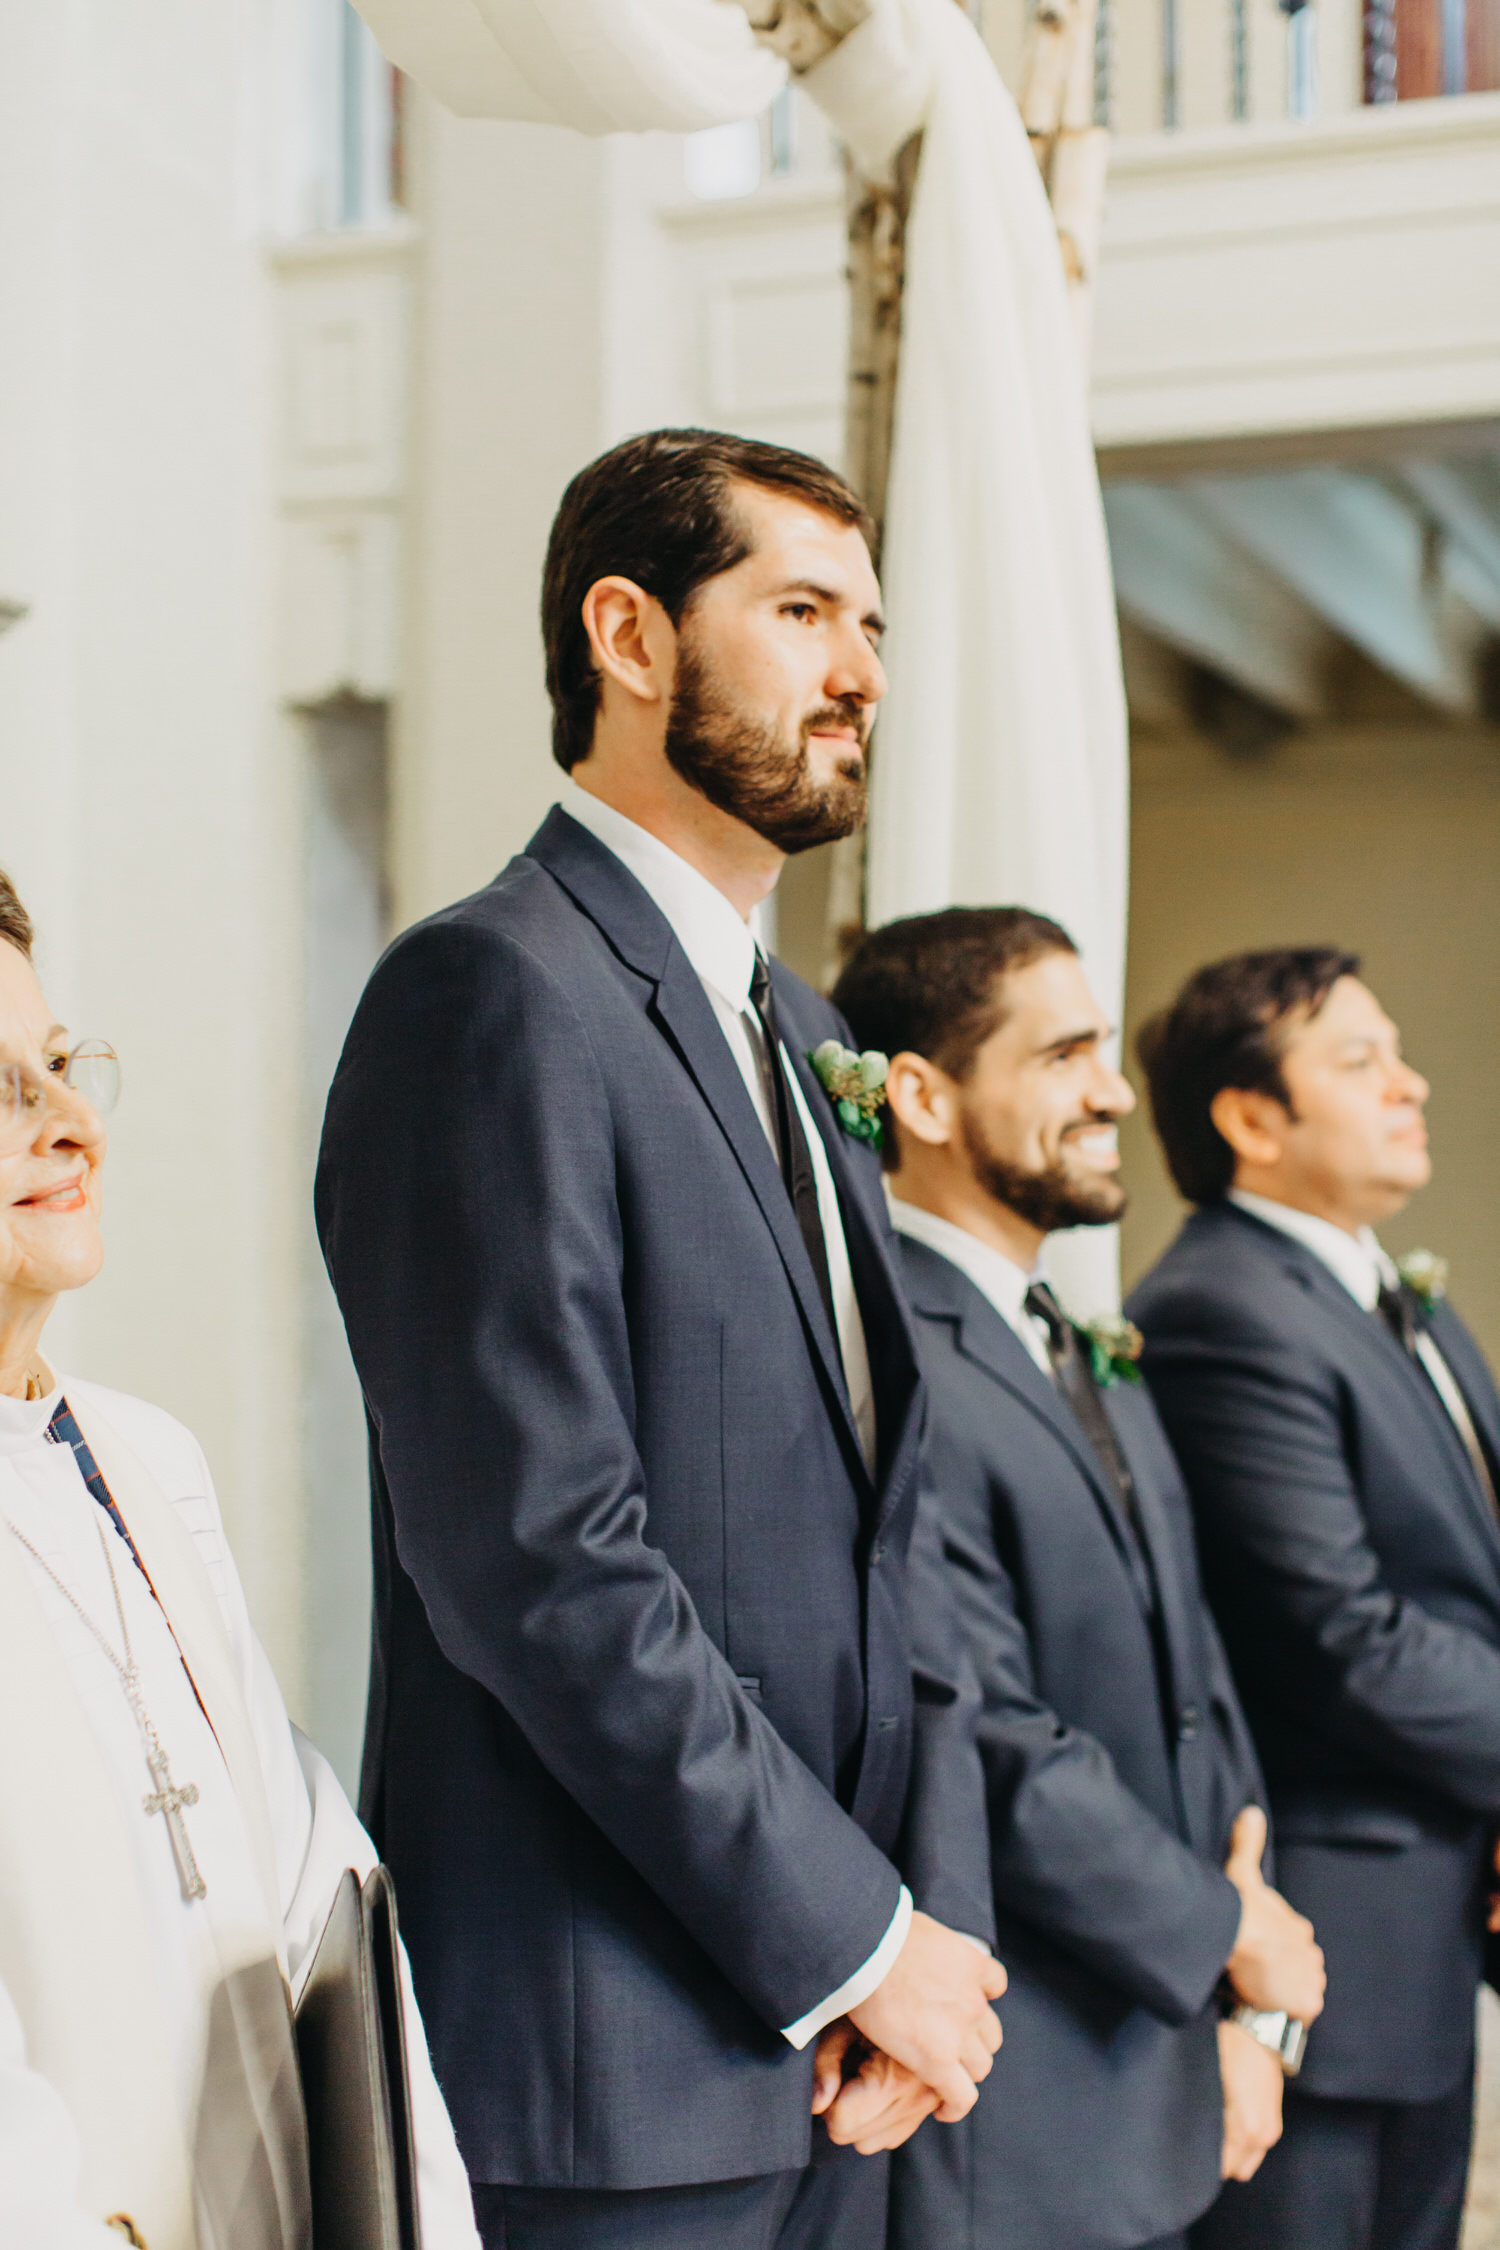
<point x="1379" y="833"/>
<point x="508" y="402"/>
<point x="146" y="808"/>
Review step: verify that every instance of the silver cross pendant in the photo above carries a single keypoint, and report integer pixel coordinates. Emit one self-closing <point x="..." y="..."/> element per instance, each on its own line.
<point x="167" y="1798"/>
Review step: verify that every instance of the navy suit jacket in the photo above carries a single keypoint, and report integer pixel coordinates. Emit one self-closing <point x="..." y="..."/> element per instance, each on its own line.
<point x="1116" y="1760"/>
<point x="1354" y="1564"/>
<point x="642" y="1722"/>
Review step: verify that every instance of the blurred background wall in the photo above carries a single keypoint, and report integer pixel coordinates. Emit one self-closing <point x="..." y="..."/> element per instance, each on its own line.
<point x="295" y="367"/>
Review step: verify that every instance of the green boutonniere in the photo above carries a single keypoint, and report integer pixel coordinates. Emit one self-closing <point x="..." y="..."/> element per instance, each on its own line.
<point x="855" y="1084"/>
<point x="1426" y="1276"/>
<point x="1113" y="1344"/>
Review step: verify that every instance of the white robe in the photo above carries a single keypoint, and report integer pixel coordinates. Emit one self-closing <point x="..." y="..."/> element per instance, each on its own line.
<point x="195" y="1948"/>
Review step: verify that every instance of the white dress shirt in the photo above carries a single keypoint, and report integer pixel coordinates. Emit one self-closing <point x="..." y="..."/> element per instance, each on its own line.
<point x="43" y="1495"/>
<point x="993" y="1274"/>
<point x="720" y="946"/>
<point x="1359" y="1262"/>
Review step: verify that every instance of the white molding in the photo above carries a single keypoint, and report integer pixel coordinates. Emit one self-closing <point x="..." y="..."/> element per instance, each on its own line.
<point x="1268" y="279"/>
<point x="1257" y="144"/>
<point x="777" y="203"/>
<point x="347" y="246"/>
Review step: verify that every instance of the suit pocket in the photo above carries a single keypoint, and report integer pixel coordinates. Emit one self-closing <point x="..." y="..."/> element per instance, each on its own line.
<point x="1361" y="1827"/>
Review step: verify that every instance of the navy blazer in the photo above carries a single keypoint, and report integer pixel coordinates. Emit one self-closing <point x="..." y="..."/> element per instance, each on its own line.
<point x="1116" y="1760"/>
<point x="641" y="1717"/>
<point x="1354" y="1564"/>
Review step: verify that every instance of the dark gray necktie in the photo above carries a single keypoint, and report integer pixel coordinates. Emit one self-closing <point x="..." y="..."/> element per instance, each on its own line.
<point x="1397" y="1308"/>
<point x="1400" y="1316"/>
<point x="1074" y="1375"/>
<point x="792" y="1150"/>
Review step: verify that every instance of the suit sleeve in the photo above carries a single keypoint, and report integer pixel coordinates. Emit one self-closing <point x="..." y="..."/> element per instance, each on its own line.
<point x="1075" y="1854"/>
<point x="469" y="1213"/>
<point x="944" y="1850"/>
<point x="1259" y="1434"/>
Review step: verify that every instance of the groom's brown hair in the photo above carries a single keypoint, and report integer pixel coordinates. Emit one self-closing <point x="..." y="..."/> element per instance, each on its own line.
<point x="934" y="985"/>
<point x="659" y="510"/>
<point x="1227" y="1027"/>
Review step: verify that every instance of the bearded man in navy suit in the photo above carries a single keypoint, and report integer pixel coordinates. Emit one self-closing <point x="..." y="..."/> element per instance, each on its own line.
<point x="687" y="1850"/>
<point x="1340" y="1435"/>
<point x="1152" y="1968"/>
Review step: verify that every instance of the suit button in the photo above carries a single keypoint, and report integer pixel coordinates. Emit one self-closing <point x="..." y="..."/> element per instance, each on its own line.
<point x="1187" y="1722"/>
<point x="877" y="1554"/>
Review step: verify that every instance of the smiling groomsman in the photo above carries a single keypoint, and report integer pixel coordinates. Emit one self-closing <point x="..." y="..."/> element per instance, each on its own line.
<point x="681" y="1844"/>
<point x="1119" y="1770"/>
<point x="1340" y="1434"/>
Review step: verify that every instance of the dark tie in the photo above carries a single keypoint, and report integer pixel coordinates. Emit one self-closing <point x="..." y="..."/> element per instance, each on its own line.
<point x="1400" y="1316"/>
<point x="1397" y="1308"/>
<point x="792" y="1150"/>
<point x="1074" y="1373"/>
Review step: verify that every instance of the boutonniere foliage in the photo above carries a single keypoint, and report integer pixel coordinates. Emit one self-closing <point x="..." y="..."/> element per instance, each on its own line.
<point x="855" y="1084"/>
<point x="1426" y="1276"/>
<point x="1113" y="1344"/>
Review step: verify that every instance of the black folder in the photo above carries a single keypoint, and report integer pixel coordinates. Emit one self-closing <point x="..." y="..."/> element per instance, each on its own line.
<point x="351" y="2045"/>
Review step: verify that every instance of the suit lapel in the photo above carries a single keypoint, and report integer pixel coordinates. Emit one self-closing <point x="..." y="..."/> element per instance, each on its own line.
<point x="1473" y="1379"/>
<point x="683" y="1009"/>
<point x="1369" y="1336"/>
<point x="1177" y="1623"/>
<point x="604" y="889"/>
<point x="986" y="1338"/>
<point x="889" y="1341"/>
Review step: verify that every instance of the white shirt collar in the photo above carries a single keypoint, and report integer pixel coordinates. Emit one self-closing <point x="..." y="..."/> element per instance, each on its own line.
<point x="997" y="1277"/>
<point x="23" y="1421"/>
<point x="712" y="933"/>
<point x="1357" y="1260"/>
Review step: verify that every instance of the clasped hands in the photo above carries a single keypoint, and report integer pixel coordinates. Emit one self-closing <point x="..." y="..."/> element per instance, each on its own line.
<point x="917" y="2047"/>
<point x="1276" y="1964"/>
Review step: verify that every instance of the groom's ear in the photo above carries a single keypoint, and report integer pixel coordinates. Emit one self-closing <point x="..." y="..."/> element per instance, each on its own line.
<point x="633" y="640"/>
<point x="921" y="1098"/>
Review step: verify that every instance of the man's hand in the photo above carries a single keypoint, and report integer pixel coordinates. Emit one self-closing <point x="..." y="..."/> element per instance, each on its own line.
<point x="867" y="2101"/>
<point x="1253" y="2080"/>
<point x="1493" y="1921"/>
<point x="1276" y="1962"/>
<point x="932" y="2014"/>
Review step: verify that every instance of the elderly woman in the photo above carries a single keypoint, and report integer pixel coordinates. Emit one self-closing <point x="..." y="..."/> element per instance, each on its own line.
<point x="169" y="1844"/>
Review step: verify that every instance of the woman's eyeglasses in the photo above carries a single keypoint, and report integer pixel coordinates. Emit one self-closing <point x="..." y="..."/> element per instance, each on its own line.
<point x="91" y="1070"/>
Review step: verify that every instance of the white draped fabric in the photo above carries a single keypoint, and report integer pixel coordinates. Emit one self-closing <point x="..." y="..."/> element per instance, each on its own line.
<point x="601" y="66"/>
<point x="1001" y="762"/>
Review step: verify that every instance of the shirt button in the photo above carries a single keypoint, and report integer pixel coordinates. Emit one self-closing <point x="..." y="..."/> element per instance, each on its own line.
<point x="877" y="1554"/>
<point x="1187" y="1722"/>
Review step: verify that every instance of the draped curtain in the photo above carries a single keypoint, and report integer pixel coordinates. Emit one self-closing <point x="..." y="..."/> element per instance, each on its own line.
<point x="1000" y="769"/>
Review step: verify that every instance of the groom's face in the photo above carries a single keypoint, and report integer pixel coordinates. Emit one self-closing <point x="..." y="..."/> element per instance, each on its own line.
<point x="1039" y="1108"/>
<point x="777" y="676"/>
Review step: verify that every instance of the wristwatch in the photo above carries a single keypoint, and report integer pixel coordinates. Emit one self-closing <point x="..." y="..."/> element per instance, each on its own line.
<point x="1284" y="2035"/>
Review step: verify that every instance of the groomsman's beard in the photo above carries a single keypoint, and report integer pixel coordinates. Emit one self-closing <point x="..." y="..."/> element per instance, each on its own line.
<point x="1057" y="1196"/>
<point x="753" y="773"/>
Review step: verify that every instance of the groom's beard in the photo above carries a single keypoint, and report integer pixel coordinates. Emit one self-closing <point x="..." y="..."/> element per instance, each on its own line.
<point x="1055" y="1197"/>
<point x="752" y="772"/>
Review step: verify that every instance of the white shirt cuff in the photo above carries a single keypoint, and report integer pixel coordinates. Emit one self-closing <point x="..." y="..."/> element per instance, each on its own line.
<point x="860" y="1985"/>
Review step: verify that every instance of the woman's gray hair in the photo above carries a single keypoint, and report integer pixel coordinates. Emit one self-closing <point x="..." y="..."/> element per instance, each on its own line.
<point x="15" y="922"/>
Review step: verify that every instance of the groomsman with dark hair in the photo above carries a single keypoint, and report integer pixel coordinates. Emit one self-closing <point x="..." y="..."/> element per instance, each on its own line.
<point x="1340" y="1434"/>
<point x="1150" y="1983"/>
<point x="687" y="1848"/>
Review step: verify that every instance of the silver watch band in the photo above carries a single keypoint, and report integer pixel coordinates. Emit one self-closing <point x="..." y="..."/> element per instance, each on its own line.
<point x="1286" y="2036"/>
